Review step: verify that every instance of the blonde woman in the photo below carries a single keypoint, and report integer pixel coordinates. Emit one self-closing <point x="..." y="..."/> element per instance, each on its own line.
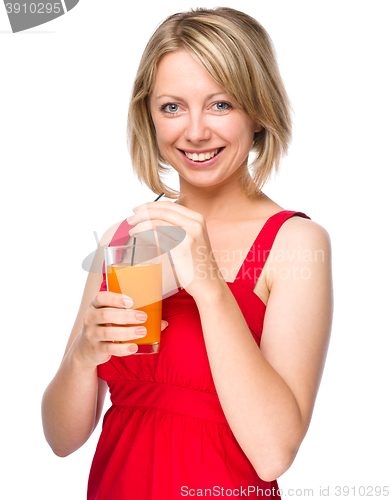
<point x="222" y="409"/>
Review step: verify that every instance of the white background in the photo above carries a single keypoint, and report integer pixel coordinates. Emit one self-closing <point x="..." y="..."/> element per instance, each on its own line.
<point x="66" y="172"/>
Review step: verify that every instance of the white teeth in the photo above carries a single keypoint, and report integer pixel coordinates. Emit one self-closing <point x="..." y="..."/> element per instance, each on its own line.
<point x="202" y="156"/>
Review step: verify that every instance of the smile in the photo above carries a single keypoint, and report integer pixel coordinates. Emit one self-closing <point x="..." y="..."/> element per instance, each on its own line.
<point x="201" y="158"/>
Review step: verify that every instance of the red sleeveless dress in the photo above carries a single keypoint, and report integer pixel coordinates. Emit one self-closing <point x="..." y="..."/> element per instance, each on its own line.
<point x="165" y="436"/>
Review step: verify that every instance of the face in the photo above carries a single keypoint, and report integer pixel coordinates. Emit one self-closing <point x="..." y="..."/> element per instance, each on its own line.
<point x="200" y="131"/>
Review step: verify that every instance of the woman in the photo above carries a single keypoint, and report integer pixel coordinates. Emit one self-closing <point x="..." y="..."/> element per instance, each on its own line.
<point x="216" y="411"/>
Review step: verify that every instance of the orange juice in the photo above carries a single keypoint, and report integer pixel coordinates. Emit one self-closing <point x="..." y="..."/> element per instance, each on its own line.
<point x="143" y="284"/>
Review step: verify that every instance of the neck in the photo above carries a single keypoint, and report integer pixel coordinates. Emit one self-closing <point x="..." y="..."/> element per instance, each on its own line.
<point x="220" y="202"/>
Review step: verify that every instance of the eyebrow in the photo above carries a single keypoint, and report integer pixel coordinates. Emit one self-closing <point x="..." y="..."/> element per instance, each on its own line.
<point x="176" y="98"/>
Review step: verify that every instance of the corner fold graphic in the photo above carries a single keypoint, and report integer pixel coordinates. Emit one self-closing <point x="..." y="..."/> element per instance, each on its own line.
<point x="30" y="13"/>
<point x="69" y="4"/>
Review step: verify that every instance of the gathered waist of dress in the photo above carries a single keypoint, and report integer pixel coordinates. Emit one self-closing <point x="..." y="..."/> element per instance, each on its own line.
<point x="169" y="397"/>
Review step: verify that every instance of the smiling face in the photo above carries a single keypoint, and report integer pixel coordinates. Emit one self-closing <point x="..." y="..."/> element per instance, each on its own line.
<point x="200" y="130"/>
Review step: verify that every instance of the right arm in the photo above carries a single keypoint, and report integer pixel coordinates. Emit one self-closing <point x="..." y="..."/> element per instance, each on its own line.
<point x="73" y="401"/>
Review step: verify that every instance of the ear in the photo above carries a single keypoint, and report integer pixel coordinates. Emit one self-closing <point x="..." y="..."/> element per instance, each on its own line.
<point x="258" y="128"/>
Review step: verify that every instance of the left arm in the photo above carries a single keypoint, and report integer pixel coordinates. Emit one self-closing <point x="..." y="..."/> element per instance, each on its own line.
<point x="267" y="394"/>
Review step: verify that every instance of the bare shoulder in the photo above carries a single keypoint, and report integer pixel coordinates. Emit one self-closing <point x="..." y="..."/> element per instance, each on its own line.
<point x="304" y="233"/>
<point x="301" y="248"/>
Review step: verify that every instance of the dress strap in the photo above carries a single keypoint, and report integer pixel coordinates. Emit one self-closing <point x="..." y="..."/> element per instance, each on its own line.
<point x="253" y="264"/>
<point x="121" y="235"/>
<point x="119" y="239"/>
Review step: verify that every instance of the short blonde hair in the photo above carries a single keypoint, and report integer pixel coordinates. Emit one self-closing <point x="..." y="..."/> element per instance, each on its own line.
<point x="239" y="55"/>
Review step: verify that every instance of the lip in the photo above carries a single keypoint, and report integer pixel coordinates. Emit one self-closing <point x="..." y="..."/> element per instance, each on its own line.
<point x="199" y="151"/>
<point x="205" y="163"/>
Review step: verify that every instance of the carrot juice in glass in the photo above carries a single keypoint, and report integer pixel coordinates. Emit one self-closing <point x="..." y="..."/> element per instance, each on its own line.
<point x="136" y="271"/>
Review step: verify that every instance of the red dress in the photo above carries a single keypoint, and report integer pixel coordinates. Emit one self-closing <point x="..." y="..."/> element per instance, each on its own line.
<point x="165" y="436"/>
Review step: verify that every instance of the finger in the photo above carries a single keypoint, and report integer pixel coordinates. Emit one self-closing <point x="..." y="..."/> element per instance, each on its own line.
<point x="147" y="230"/>
<point x="111" y="299"/>
<point x="119" y="350"/>
<point x="165" y="236"/>
<point x="166" y="232"/>
<point x="166" y="214"/>
<point x="191" y="214"/>
<point x="120" y="333"/>
<point x="164" y="324"/>
<point x="117" y="316"/>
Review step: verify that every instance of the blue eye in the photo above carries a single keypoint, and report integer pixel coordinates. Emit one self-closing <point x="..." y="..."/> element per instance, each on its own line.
<point x="169" y="108"/>
<point x="222" y="106"/>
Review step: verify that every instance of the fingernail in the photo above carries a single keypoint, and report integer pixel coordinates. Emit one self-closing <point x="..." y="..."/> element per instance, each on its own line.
<point x="127" y="301"/>
<point x="141" y="331"/>
<point x="133" y="348"/>
<point x="166" y="323"/>
<point x="141" y="316"/>
<point x="136" y="208"/>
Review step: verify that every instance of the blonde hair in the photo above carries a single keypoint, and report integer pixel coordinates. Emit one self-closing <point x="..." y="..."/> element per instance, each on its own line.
<point x="239" y="55"/>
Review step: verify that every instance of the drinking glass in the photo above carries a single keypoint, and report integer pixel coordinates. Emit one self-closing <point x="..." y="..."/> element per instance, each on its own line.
<point x="136" y="271"/>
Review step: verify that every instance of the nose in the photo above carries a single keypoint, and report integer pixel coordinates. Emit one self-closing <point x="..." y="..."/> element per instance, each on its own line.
<point x="197" y="129"/>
